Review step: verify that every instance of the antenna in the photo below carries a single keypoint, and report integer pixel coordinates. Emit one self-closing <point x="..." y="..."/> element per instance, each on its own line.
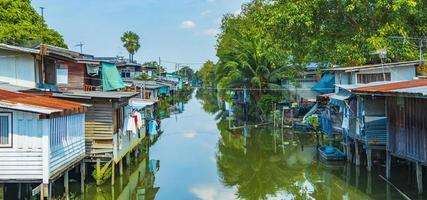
<point x="420" y="45"/>
<point x="81" y="46"/>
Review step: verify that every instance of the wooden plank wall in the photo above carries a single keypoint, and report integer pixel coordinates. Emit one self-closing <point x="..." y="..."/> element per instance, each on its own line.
<point x="99" y="128"/>
<point x="76" y="76"/>
<point x="407" y="127"/>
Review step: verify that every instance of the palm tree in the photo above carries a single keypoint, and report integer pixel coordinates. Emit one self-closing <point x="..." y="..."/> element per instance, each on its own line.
<point x="131" y="43"/>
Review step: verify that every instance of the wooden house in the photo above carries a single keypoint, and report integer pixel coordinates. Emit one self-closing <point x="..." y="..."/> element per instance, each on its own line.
<point x="404" y="104"/>
<point x="365" y="74"/>
<point x="127" y="70"/>
<point x="41" y="138"/>
<point x="51" y="68"/>
<point x="105" y="120"/>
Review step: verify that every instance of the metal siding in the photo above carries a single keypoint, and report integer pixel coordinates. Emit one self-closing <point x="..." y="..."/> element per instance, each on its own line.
<point x="17" y="69"/>
<point x="407" y="128"/>
<point x="23" y="161"/>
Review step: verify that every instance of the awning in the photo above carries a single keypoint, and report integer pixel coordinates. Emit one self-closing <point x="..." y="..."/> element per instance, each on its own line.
<point x="339" y="98"/>
<point x="111" y="79"/>
<point x="140" y="103"/>
<point x="326" y="84"/>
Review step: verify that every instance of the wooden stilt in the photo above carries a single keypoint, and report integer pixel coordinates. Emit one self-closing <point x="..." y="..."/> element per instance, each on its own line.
<point x="322" y="138"/>
<point x="19" y="191"/>
<point x="113" y="170"/>
<point x="1" y="191"/>
<point x="98" y="171"/>
<point x="121" y="167"/>
<point x="419" y="172"/>
<point x="128" y="157"/>
<point x="369" y="159"/>
<point x="356" y="149"/>
<point x="50" y="190"/>
<point x="357" y="176"/>
<point x="369" y="184"/>
<point x="42" y="193"/>
<point x="82" y="177"/>
<point x="67" y="189"/>
<point x="349" y="156"/>
<point x="388" y="165"/>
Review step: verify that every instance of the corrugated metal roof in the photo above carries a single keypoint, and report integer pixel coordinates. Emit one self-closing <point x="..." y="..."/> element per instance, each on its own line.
<point x="19" y="49"/>
<point x="374" y="66"/>
<point x="95" y="94"/>
<point x="37" y="104"/>
<point x="408" y="87"/>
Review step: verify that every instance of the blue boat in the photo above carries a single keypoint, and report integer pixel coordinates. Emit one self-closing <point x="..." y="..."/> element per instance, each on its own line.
<point x="330" y="153"/>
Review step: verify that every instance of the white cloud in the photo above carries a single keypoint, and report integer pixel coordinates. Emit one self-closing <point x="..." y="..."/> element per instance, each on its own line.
<point x="190" y="134"/>
<point x="211" y="192"/>
<point x="206" y="13"/>
<point x="188" y="24"/>
<point x="211" y="32"/>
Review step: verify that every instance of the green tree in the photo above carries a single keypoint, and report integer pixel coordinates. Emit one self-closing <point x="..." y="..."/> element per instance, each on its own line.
<point x="158" y="69"/>
<point x="207" y="74"/>
<point x="186" y="72"/>
<point x="21" y="25"/>
<point x="131" y="43"/>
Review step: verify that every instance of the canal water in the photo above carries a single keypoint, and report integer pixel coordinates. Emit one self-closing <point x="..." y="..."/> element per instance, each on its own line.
<point x="198" y="156"/>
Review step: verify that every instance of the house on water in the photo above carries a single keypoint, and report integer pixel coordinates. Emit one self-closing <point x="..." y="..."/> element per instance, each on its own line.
<point x="399" y="71"/>
<point x="41" y="139"/>
<point x="404" y="105"/>
<point x="109" y="137"/>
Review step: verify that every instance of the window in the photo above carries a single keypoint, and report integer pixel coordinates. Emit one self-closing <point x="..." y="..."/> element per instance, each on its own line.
<point x="62" y="74"/>
<point x="5" y="129"/>
<point x="369" y="78"/>
<point x="125" y="73"/>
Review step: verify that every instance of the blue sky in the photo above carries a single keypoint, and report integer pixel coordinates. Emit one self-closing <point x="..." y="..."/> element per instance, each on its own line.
<point x="175" y="30"/>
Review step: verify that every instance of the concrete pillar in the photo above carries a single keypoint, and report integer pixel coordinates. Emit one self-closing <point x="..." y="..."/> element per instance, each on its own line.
<point x="419" y="172"/>
<point x="388" y="165"/>
<point x="66" y="186"/>
<point x="369" y="159"/>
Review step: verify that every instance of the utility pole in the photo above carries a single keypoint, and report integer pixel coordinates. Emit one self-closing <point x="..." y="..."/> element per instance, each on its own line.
<point x="158" y="67"/>
<point x="42" y="12"/>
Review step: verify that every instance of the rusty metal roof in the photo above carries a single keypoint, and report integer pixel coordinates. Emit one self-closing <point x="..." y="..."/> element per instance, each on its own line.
<point x="417" y="87"/>
<point x="38" y="104"/>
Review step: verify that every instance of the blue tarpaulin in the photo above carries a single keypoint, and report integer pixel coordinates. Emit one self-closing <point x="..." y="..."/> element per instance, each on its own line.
<point x="326" y="84"/>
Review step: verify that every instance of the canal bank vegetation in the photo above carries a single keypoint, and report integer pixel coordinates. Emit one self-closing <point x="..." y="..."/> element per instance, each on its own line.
<point x="270" y="41"/>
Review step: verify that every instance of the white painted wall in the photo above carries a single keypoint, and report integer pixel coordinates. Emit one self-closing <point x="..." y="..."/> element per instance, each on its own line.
<point x="23" y="161"/>
<point x="17" y="69"/>
<point x="31" y="157"/>
<point x="397" y="73"/>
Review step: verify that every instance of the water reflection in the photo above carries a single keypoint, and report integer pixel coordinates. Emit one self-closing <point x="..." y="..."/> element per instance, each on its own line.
<point x="201" y="155"/>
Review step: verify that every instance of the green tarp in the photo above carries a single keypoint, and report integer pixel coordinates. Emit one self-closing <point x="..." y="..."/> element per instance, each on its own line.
<point x="111" y="79"/>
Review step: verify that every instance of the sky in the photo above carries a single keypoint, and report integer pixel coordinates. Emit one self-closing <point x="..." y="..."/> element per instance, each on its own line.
<point x="182" y="31"/>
